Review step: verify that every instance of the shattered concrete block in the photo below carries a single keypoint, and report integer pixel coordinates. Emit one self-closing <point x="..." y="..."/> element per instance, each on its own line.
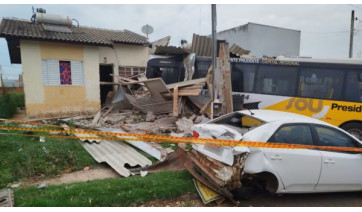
<point x="150" y="117"/>
<point x="201" y="119"/>
<point x="184" y="125"/>
<point x="182" y="145"/>
<point x="173" y="134"/>
<point x="143" y="173"/>
<point x="42" y="185"/>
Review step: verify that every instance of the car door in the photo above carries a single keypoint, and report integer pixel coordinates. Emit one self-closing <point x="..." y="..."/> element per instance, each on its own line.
<point x="299" y="169"/>
<point x="341" y="171"/>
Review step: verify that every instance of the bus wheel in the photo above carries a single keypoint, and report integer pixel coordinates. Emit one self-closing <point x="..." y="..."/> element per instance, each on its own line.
<point x="354" y="129"/>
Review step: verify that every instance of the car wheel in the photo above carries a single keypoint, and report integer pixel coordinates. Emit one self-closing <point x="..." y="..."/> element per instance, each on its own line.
<point x="245" y="192"/>
<point x="354" y="129"/>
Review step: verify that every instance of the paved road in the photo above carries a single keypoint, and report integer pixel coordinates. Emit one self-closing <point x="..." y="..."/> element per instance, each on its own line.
<point x="313" y="200"/>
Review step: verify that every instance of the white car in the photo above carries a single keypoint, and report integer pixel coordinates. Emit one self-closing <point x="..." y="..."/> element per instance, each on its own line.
<point x="286" y="170"/>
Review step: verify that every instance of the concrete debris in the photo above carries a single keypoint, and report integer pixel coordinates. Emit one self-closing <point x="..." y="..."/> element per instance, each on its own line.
<point x="217" y="176"/>
<point x="182" y="145"/>
<point x="45" y="150"/>
<point x="201" y="119"/>
<point x="173" y="134"/>
<point x="143" y="173"/>
<point x="162" y="125"/>
<point x="184" y="125"/>
<point x="96" y="118"/>
<point x="6" y="198"/>
<point x="15" y="185"/>
<point x="150" y="117"/>
<point x="169" y="150"/>
<point x="42" y="185"/>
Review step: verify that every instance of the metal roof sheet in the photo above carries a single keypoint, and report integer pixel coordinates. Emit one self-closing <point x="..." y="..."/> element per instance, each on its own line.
<point x="201" y="45"/>
<point x="117" y="154"/>
<point x="170" y="50"/>
<point x="235" y="49"/>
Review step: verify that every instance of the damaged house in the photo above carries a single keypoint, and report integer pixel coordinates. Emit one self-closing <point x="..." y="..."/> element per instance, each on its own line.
<point x="63" y="64"/>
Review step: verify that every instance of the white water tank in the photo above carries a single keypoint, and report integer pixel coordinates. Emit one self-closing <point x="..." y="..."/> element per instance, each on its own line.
<point x="53" y="19"/>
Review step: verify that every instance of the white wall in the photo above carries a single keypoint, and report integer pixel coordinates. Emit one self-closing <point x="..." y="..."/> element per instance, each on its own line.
<point x="273" y="41"/>
<point x="264" y="40"/>
<point x="237" y="35"/>
<point x="124" y="55"/>
<point x="91" y="73"/>
<point x="32" y="72"/>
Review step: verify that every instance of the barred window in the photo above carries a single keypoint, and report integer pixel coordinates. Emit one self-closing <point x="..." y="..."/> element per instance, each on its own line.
<point x="130" y="71"/>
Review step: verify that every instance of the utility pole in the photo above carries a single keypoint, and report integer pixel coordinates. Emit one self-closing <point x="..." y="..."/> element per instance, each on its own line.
<point x="351" y="35"/>
<point x="214" y="49"/>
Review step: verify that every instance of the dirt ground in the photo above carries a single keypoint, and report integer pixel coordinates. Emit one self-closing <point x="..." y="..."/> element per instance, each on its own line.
<point x="259" y="199"/>
<point x="344" y="199"/>
<point x="19" y="115"/>
<point x="97" y="173"/>
<point x="188" y="200"/>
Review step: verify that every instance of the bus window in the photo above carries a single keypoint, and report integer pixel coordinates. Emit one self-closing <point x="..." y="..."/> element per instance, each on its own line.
<point x="354" y="87"/>
<point x="242" y="77"/>
<point x="201" y="69"/>
<point x="277" y="80"/>
<point x="321" y="83"/>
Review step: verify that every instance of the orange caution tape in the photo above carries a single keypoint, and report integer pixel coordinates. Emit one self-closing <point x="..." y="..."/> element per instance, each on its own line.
<point x="161" y="138"/>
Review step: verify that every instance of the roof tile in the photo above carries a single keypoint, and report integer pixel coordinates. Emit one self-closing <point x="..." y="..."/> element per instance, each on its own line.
<point x="86" y="35"/>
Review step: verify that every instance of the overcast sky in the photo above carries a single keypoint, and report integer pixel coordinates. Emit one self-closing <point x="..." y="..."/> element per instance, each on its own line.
<point x="324" y="28"/>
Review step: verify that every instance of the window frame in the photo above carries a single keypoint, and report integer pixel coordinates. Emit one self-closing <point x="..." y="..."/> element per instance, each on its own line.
<point x="71" y="75"/>
<point x="346" y="75"/>
<point x="296" y="82"/>
<point x="73" y="72"/>
<point x="233" y="69"/>
<point x="272" y="137"/>
<point x="344" y="68"/>
<point x="338" y="130"/>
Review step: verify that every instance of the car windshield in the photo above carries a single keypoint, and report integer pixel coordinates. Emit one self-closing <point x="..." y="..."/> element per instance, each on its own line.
<point x="239" y="122"/>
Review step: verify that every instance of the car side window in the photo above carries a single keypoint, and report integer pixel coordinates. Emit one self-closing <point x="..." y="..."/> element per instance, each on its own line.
<point x="331" y="137"/>
<point x="294" y="134"/>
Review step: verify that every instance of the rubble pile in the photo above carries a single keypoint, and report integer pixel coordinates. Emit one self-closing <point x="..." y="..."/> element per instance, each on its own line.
<point x="136" y="122"/>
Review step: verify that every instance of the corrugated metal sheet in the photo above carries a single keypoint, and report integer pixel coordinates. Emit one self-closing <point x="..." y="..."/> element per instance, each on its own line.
<point x="117" y="155"/>
<point x="237" y="50"/>
<point x="170" y="50"/>
<point x="201" y="45"/>
<point x="81" y="137"/>
<point x="144" y="146"/>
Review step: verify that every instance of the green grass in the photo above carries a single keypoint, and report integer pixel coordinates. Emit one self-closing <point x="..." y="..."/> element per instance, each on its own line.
<point x="169" y="145"/>
<point x="130" y="191"/>
<point x="22" y="157"/>
<point x="18" y="99"/>
<point x="7" y="106"/>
